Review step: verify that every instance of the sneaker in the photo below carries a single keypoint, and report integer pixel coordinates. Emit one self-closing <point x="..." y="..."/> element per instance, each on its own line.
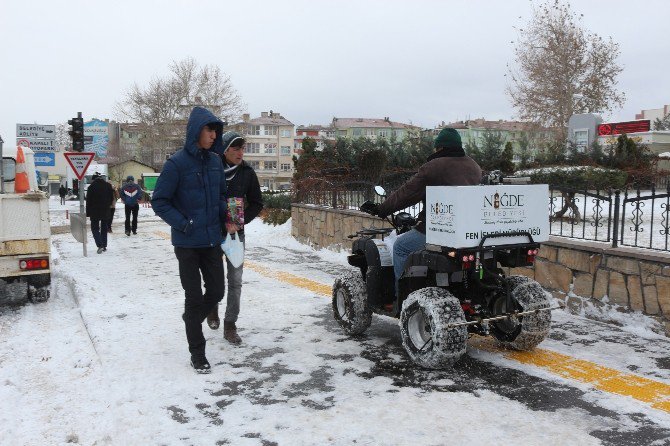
<point x="104" y="249"/>
<point x="230" y="333"/>
<point x="200" y="364"/>
<point x="135" y="232"/>
<point x="99" y="250"/>
<point x="128" y="233"/>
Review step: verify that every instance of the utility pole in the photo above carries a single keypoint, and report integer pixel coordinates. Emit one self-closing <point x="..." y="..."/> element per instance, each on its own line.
<point x="2" y="170"/>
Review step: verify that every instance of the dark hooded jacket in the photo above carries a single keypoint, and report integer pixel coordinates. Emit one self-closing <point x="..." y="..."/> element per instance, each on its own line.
<point x="446" y="167"/>
<point x="190" y="193"/>
<point x="99" y="197"/>
<point x="241" y="181"/>
<point x="131" y="193"/>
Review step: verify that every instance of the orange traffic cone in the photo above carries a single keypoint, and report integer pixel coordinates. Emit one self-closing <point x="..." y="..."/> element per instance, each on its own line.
<point x="21" y="183"/>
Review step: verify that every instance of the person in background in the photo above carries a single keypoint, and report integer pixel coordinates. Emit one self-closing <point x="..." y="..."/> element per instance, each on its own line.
<point x="62" y="191"/>
<point x="98" y="198"/>
<point x="131" y="194"/>
<point x="112" y="208"/>
<point x="190" y="196"/>
<point x="242" y="183"/>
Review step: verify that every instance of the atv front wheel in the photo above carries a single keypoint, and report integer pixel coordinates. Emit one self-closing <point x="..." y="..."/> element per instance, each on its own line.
<point x="530" y="329"/>
<point x="425" y="315"/>
<point x="350" y="303"/>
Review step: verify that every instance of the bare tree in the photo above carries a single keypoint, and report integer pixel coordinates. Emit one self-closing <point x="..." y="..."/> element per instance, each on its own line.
<point x="161" y="107"/>
<point x="561" y="69"/>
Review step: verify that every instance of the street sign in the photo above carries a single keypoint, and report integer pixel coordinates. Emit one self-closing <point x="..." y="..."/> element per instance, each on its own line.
<point x="45" y="159"/>
<point x="35" y="131"/>
<point x="79" y="161"/>
<point x="37" y="145"/>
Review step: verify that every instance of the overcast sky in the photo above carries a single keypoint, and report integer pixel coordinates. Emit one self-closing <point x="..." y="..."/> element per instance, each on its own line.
<point x="414" y="61"/>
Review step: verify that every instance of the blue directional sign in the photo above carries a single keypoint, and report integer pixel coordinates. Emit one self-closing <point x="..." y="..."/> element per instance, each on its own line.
<point x="45" y="159"/>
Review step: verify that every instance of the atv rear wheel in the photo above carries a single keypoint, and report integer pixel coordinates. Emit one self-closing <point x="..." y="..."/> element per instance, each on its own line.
<point x="525" y="332"/>
<point x="350" y="303"/>
<point x="423" y="327"/>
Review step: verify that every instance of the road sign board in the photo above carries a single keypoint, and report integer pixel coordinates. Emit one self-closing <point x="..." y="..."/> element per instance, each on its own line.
<point x="45" y="159"/>
<point x="79" y="161"/>
<point x="35" y="131"/>
<point x="37" y="145"/>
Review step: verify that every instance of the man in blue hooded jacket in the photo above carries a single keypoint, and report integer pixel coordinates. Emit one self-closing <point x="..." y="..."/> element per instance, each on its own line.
<point x="190" y="195"/>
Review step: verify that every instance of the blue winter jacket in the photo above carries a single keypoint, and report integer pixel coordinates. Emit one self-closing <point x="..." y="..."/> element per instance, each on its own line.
<point x="190" y="193"/>
<point x="130" y="194"/>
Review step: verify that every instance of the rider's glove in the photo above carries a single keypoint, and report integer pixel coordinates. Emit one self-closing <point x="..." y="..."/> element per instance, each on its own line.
<point x="370" y="208"/>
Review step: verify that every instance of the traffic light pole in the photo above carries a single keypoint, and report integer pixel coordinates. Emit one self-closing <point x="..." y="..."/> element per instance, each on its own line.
<point x="82" y="205"/>
<point x="2" y="170"/>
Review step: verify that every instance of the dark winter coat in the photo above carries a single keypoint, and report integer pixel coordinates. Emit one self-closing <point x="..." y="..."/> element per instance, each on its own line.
<point x="242" y="182"/>
<point x="99" y="197"/>
<point x="190" y="193"/>
<point x="131" y="193"/>
<point x="62" y="191"/>
<point x="446" y="167"/>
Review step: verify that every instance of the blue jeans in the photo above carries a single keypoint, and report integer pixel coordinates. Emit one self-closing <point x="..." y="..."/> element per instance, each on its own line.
<point x="404" y="245"/>
<point x="99" y="230"/>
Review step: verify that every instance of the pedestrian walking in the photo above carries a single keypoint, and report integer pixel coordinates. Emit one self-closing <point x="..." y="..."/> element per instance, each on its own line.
<point x="62" y="191"/>
<point x="190" y="195"/>
<point x="243" y="189"/>
<point x="98" y="197"/>
<point x="112" y="208"/>
<point x="131" y="193"/>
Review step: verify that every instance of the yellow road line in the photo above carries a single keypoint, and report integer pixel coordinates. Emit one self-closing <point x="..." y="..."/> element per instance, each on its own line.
<point x="655" y="393"/>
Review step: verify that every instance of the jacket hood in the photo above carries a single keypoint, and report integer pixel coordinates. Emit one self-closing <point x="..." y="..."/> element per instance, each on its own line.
<point x="227" y="139"/>
<point x="199" y="118"/>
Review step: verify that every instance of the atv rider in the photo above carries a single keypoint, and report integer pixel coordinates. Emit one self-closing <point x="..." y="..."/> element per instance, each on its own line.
<point x="448" y="166"/>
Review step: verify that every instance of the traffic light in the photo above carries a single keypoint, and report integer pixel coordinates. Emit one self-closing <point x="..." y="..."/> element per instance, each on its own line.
<point x="77" y="133"/>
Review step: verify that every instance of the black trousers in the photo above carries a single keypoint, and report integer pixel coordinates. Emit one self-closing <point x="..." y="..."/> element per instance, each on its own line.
<point x="192" y="263"/>
<point x="133" y="210"/>
<point x="112" y="211"/>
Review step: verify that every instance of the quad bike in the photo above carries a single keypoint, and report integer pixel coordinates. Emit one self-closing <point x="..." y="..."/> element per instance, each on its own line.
<point x="444" y="294"/>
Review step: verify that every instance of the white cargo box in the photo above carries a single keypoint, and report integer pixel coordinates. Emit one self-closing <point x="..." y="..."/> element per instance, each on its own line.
<point x="460" y="216"/>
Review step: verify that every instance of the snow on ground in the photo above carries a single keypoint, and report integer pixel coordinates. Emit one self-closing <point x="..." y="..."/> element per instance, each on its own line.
<point x="105" y="361"/>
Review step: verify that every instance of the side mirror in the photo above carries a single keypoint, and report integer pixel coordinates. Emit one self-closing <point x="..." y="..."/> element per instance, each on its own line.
<point x="380" y="191"/>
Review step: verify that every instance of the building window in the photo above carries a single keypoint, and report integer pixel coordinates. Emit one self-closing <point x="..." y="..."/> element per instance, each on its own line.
<point x="383" y="133"/>
<point x="398" y="134"/>
<point x="270" y="165"/>
<point x="285" y="150"/>
<point x="285" y="167"/>
<point x="370" y="132"/>
<point x="358" y="132"/>
<point x="581" y="139"/>
<point x="342" y="133"/>
<point x="285" y="133"/>
<point x="270" y="130"/>
<point x="254" y="129"/>
<point x="254" y="164"/>
<point x="252" y="147"/>
<point x="330" y="134"/>
<point x="270" y="147"/>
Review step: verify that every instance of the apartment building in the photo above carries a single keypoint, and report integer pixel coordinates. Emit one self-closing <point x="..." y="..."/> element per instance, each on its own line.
<point x="269" y="148"/>
<point x="318" y="133"/>
<point x="371" y="128"/>
<point x="516" y="132"/>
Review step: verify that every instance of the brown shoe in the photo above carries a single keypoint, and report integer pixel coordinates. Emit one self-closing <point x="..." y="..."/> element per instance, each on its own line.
<point x="213" y="318"/>
<point x="230" y="333"/>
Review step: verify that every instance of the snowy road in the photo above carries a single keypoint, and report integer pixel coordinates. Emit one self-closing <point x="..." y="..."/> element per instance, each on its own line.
<point x="105" y="362"/>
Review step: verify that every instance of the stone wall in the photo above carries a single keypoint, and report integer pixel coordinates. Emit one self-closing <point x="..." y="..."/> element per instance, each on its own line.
<point x="633" y="278"/>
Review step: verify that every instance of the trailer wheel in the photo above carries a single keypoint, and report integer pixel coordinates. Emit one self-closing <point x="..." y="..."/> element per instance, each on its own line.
<point x="531" y="329"/>
<point x="425" y="315"/>
<point x="350" y="303"/>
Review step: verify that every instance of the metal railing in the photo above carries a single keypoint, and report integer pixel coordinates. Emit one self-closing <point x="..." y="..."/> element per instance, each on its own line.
<point x="634" y="217"/>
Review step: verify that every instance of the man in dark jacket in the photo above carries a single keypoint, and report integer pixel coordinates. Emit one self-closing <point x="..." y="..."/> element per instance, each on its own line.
<point x="448" y="166"/>
<point x="62" y="191"/>
<point x="190" y="195"/>
<point x="242" y="183"/>
<point x="99" y="196"/>
<point x="130" y="194"/>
